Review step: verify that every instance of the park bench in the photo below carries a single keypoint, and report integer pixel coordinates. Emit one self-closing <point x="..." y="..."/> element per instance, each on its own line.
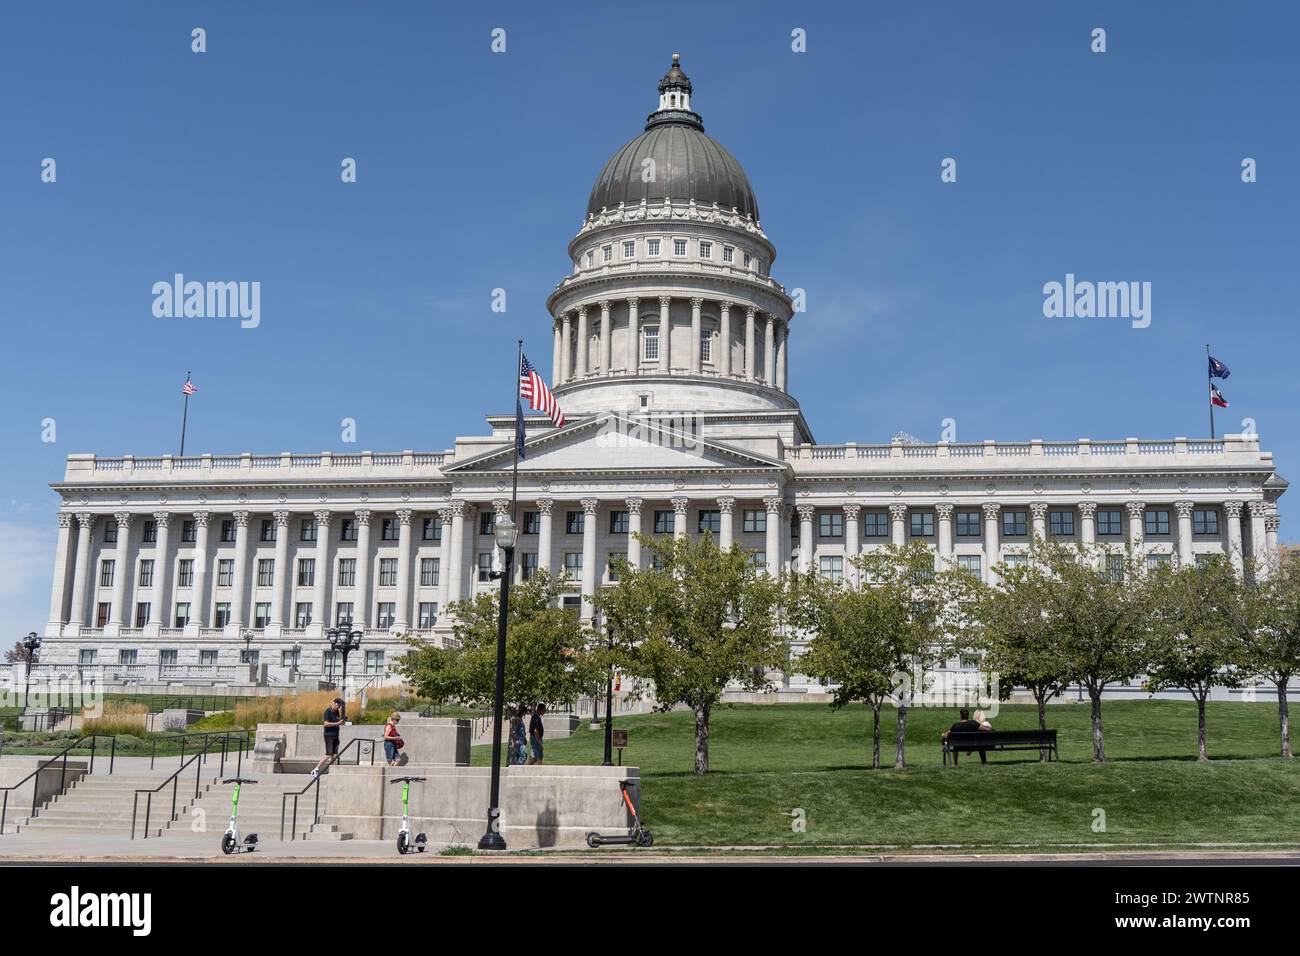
<point x="973" y="741"/>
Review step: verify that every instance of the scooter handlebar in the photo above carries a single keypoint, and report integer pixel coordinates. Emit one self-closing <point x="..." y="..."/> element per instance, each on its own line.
<point x="411" y="779"/>
<point x="240" y="780"/>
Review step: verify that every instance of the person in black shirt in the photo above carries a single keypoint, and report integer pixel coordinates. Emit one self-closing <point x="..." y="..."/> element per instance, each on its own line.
<point x="537" y="730"/>
<point x="964" y="725"/>
<point x="332" y="720"/>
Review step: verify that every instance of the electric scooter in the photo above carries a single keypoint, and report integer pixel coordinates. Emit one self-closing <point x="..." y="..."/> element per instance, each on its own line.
<point x="404" y="842"/>
<point x="636" y="836"/>
<point x="230" y="840"/>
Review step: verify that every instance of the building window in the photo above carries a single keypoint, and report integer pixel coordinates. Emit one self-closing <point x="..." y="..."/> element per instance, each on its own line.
<point x="110" y="531"/>
<point x="265" y="572"/>
<point x="268" y="531"/>
<point x="302" y="614"/>
<point x="1016" y="560"/>
<point x="970" y="563"/>
<point x="249" y="656"/>
<point x="830" y="525"/>
<point x="758" y="559"/>
<point x="182" y="614"/>
<point x="1061" y="523"/>
<point x="591" y="259"/>
<point x="86" y="657"/>
<point x="922" y="524"/>
<point x="528" y="565"/>
<point x="388" y="572"/>
<point x="574" y="522"/>
<point x="663" y="522"/>
<point x="146" y="574"/>
<point x="306" y="572"/>
<point x="875" y="524"/>
<point x="618" y="522"/>
<point x="1015" y="523"/>
<point x="261" y="614"/>
<point x="101" y="614"/>
<point x="710" y="520"/>
<point x="748" y="259"/>
<point x="532" y="522"/>
<point x="754" y="521"/>
<point x="348" y="529"/>
<point x="208" y="658"/>
<point x="606" y="253"/>
<point x="484" y="563"/>
<point x="342" y="613"/>
<point x="389" y="529"/>
<point x="831" y="566"/>
<point x="308" y="532"/>
<point x="613" y="561"/>
<point x="1157" y="522"/>
<point x="187" y="532"/>
<point x="1110" y="523"/>
<point x="706" y="250"/>
<point x="387" y="613"/>
<point x="706" y="345"/>
<point x="968" y="524"/>
<point x="728" y="254"/>
<point x="679" y="247"/>
<point x="1115" y="567"/>
<point x="432" y="529"/>
<point x="573" y="565"/>
<point x="347" y="572"/>
<point x="1154" y="561"/>
<point x="1205" y="522"/>
<point x="487" y="522"/>
<point x="629" y="249"/>
<point x="225" y="572"/>
<point x="185" y="573"/>
<point x="141" y="613"/>
<point x="222" y="616"/>
<point x="227" y="530"/>
<point x="149" y="535"/>
<point x="290" y="658"/>
<point x="429" y="572"/>
<point x="652" y="247"/>
<point x="652" y="343"/>
<point x="168" y="657"/>
<point x="106" y="574"/>
<point x="428" y="614"/>
<point x="374" y="662"/>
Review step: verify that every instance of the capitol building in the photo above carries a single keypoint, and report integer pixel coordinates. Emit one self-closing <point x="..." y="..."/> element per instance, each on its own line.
<point x="671" y="363"/>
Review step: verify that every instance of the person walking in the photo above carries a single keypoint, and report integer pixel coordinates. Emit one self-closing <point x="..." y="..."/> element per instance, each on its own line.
<point x="393" y="742"/>
<point x="537" y="730"/>
<point x="518" y="753"/>
<point x="331" y="721"/>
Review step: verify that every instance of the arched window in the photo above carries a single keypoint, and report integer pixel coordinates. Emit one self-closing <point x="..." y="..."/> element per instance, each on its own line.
<point x="706" y="344"/>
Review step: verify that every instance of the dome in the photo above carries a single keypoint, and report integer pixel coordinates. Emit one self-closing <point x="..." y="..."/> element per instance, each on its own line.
<point x="688" y="164"/>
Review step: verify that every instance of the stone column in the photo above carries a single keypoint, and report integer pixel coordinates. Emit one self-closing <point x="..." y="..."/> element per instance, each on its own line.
<point x="769" y="352"/>
<point x="1136" y="509"/>
<point x="726" y="523"/>
<point x="402" y="615"/>
<point x="806" y="514"/>
<point x="544" y="506"/>
<point x="444" y="560"/>
<point x="566" y="347"/>
<point x="772" y="505"/>
<point x="238" y="610"/>
<point x="361" y="588"/>
<point x="582" y="344"/>
<point x="62" y="556"/>
<point x="280" y="583"/>
<point x="852" y="545"/>
<point x="81" y="582"/>
<point x="724" y="337"/>
<point x="782" y="337"/>
<point x="633" y="335"/>
<point x="162" y="570"/>
<point x="1038" y="511"/>
<point x="944" y="513"/>
<point x="590" y="507"/>
<point x="121" y="571"/>
<point x="1259" y="511"/>
<point x="1271" y="522"/>
<point x="1232" y="513"/>
<point x="1088" y="523"/>
<point x="606" y="335"/>
<point x="556" y="352"/>
<point x="1185" y="557"/>
<point x="199" y="603"/>
<point x="697" y="331"/>
<point x="679" y="517"/>
<point x="749" y="343"/>
<point x="320" y="591"/>
<point x="666" y="333"/>
<point x="992" y="510"/>
<point x="634" y="529"/>
<point x="897" y="524"/>
<point x="455" y="571"/>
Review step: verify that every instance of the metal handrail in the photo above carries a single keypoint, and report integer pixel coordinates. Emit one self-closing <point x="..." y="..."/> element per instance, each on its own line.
<point x="63" y="772"/>
<point x="197" y="758"/>
<point x="315" y="782"/>
<point x="223" y="735"/>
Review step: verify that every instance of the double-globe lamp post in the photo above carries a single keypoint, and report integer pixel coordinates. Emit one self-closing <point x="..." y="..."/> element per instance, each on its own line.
<point x="506" y="535"/>
<point x="344" y="640"/>
<point x="32" y="644"/>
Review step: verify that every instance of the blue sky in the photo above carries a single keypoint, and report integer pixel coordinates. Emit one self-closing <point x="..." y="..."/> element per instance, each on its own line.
<point x="924" y="298"/>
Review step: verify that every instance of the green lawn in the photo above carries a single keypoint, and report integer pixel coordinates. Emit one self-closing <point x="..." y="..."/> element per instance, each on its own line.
<point x="769" y="760"/>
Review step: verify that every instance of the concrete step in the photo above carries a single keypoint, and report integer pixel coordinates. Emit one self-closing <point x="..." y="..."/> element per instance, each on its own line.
<point x="326" y="831"/>
<point x="39" y="826"/>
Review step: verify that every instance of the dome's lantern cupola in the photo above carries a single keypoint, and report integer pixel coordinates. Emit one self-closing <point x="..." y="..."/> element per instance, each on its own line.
<point x="675" y="99"/>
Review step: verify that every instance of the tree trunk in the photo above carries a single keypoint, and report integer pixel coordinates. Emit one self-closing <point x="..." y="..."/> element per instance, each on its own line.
<point x="901" y="740"/>
<point x="1284" y="715"/>
<point x="1040" y="695"/>
<point x="701" y="739"/>
<point x="1098" y="741"/>
<point x="1200" y="727"/>
<point x="875" y="736"/>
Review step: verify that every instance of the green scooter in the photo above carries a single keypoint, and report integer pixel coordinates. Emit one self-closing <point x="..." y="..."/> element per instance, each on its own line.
<point x="404" y="842"/>
<point x="230" y="840"/>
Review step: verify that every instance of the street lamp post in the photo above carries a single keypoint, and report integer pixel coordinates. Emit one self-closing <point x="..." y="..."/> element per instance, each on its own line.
<point x="32" y="642"/>
<point x="506" y="536"/>
<point x="609" y="702"/>
<point x="293" y="669"/>
<point x="344" y="640"/>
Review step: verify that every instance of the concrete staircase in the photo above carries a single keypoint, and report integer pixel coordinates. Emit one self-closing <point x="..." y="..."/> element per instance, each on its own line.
<point x="259" y="808"/>
<point x="102" y="803"/>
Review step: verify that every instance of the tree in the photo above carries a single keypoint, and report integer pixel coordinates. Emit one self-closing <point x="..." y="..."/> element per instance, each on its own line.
<point x="1269" y="618"/>
<point x="1196" y="643"/>
<point x="18" y="654"/>
<point x="548" y="654"/>
<point x="1097" y="601"/>
<point x="853" y="645"/>
<point x="696" y="620"/>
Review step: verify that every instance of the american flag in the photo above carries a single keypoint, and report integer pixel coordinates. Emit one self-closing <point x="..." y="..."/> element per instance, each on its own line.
<point x="539" y="396"/>
<point x="189" y="388"/>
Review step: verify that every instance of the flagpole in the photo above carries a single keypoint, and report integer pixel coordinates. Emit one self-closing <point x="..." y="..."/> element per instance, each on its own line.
<point x="519" y="425"/>
<point x="185" y="414"/>
<point x="1209" y="380"/>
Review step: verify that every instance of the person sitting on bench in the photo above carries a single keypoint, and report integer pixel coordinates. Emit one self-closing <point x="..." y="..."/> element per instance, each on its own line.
<point x="962" y="726"/>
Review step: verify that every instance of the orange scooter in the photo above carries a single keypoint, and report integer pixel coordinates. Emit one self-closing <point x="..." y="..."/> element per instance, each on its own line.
<point x="636" y="836"/>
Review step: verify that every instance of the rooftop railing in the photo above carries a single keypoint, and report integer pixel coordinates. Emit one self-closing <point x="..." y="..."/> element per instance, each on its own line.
<point x="360" y="463"/>
<point x="1083" y="448"/>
